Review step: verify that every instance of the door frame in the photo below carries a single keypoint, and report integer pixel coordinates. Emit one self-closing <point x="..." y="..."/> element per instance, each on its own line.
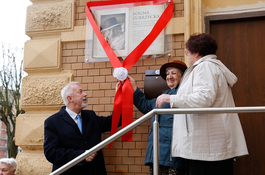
<point x="208" y="19"/>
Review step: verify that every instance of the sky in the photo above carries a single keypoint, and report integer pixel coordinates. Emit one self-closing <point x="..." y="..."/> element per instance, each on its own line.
<point x="12" y="27"/>
<point x="12" y="22"/>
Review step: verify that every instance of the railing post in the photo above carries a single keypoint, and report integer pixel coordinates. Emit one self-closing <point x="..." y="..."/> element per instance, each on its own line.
<point x="156" y="146"/>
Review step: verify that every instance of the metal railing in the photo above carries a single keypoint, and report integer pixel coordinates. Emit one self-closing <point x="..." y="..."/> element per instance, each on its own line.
<point x="145" y="117"/>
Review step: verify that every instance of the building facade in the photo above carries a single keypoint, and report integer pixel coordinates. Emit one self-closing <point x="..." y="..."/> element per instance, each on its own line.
<point x="55" y="55"/>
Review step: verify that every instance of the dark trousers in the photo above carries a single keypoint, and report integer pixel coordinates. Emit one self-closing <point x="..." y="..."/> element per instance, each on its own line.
<point x="223" y="167"/>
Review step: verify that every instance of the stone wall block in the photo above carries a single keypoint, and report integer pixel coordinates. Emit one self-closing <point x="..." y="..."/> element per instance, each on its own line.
<point x="44" y="92"/>
<point x="29" y="130"/>
<point x="51" y="17"/>
<point x="32" y="163"/>
<point x="42" y="55"/>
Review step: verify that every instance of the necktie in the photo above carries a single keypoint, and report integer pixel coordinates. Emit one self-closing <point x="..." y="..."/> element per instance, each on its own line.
<point x="79" y="122"/>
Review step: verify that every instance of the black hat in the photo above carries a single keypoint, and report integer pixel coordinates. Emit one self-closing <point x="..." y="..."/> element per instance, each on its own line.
<point x="110" y="23"/>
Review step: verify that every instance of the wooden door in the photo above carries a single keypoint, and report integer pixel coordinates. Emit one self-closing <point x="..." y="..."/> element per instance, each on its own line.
<point x="241" y="45"/>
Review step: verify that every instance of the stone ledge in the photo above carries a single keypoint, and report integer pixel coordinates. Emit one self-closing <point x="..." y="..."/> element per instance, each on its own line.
<point x="78" y="34"/>
<point x="175" y="26"/>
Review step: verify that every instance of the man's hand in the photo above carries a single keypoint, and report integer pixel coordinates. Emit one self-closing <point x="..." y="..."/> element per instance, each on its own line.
<point x="91" y="157"/>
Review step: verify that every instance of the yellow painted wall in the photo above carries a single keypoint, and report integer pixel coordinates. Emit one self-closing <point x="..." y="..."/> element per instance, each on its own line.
<point x="213" y="4"/>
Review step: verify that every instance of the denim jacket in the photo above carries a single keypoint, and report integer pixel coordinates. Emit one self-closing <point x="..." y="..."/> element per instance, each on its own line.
<point x="165" y="130"/>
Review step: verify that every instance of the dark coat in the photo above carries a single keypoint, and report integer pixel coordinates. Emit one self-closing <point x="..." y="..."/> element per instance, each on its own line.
<point x="165" y="131"/>
<point x="63" y="141"/>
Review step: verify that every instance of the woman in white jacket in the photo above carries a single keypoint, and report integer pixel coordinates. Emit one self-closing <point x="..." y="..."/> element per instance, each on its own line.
<point x="209" y="141"/>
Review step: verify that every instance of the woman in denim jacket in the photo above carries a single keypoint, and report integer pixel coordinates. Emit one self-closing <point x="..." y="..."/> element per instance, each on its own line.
<point x="172" y="73"/>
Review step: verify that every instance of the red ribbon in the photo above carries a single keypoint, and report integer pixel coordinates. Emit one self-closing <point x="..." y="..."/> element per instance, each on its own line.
<point x="123" y="102"/>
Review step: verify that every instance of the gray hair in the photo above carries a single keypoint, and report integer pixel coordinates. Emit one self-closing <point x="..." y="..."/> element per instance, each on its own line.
<point x="10" y="161"/>
<point x="67" y="91"/>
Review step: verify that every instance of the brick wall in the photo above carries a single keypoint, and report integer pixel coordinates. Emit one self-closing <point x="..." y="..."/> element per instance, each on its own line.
<point x="3" y="140"/>
<point x="124" y="158"/>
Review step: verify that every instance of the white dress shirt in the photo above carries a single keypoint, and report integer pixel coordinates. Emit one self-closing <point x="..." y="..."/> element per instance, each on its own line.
<point x="73" y="114"/>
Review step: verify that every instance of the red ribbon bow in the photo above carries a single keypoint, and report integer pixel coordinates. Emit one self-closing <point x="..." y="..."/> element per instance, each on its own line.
<point x="123" y="102"/>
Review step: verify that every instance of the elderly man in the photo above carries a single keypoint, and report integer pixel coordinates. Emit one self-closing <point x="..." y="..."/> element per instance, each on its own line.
<point x="113" y="33"/>
<point x="8" y="166"/>
<point x="72" y="131"/>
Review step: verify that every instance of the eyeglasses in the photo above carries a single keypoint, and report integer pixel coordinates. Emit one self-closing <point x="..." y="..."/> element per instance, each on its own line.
<point x="186" y="52"/>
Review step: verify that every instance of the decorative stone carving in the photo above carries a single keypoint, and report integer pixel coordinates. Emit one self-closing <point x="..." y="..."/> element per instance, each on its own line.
<point x="43" y="91"/>
<point x="49" y="17"/>
<point x="42" y="54"/>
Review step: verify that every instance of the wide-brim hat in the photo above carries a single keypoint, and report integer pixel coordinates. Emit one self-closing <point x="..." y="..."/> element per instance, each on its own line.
<point x="176" y="64"/>
<point x="110" y="23"/>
